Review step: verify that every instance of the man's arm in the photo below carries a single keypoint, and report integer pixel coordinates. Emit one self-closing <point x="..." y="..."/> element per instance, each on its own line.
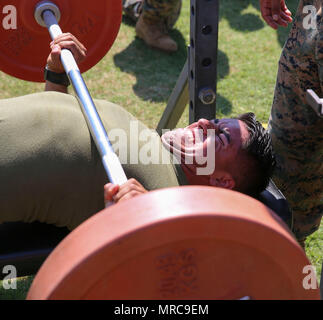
<point x="275" y="13"/>
<point x="54" y="64"/>
<point x="50" y="86"/>
<point x="112" y="193"/>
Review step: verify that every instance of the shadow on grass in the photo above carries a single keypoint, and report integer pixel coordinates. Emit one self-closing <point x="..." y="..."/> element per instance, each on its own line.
<point x="157" y="72"/>
<point x="223" y="105"/>
<point x="231" y="10"/>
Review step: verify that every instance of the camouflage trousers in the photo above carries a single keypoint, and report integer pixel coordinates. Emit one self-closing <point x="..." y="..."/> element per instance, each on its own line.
<point x="297" y="132"/>
<point x="165" y="12"/>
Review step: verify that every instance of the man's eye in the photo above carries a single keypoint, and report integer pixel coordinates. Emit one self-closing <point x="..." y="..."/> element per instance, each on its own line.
<point x="221" y="139"/>
<point x="226" y="134"/>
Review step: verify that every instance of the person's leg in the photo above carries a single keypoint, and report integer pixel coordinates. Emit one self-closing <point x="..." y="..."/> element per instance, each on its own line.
<point x="164" y="12"/>
<point x="156" y="19"/>
<point x="132" y="8"/>
<point x="297" y="131"/>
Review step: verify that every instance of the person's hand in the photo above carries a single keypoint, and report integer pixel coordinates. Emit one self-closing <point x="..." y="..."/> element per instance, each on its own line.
<point x="64" y="41"/>
<point x="115" y="193"/>
<point x="275" y="13"/>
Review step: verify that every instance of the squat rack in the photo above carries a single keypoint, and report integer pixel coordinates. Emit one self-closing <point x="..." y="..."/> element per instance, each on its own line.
<point x="196" y="85"/>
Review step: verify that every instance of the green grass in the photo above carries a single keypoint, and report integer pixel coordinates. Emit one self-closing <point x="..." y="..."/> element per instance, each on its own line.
<point x="141" y="79"/>
<point x="20" y="292"/>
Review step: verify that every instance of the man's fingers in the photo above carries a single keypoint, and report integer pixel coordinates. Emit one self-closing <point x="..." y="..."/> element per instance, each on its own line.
<point x="285" y="9"/>
<point x="68" y="41"/>
<point x="54" y="60"/>
<point x="69" y="37"/>
<point x="110" y="190"/>
<point x="282" y="22"/>
<point x="286" y="17"/>
<point x="266" y="13"/>
<point x="127" y="193"/>
<point x="276" y="9"/>
<point x="55" y="54"/>
<point x="129" y="190"/>
<point x="77" y="52"/>
<point x="287" y="12"/>
<point x="272" y="23"/>
<point x="65" y="41"/>
<point x="275" y="13"/>
<point x="130" y="195"/>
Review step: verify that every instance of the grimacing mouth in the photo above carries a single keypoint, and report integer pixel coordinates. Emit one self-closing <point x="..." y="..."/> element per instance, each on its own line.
<point x="175" y="142"/>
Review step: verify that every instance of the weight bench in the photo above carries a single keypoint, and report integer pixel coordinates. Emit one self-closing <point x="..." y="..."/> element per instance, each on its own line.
<point x="27" y="245"/>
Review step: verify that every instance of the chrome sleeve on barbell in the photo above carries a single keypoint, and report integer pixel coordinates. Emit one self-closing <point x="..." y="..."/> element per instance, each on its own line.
<point x="54" y="30"/>
<point x="110" y="160"/>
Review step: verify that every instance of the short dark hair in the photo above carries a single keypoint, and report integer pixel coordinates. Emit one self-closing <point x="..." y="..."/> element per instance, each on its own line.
<point x="256" y="159"/>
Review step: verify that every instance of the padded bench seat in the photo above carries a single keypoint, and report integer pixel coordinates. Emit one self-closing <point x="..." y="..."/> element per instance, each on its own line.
<point x="27" y="245"/>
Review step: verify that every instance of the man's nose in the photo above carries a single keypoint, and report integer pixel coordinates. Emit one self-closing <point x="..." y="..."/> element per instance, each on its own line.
<point x="207" y="125"/>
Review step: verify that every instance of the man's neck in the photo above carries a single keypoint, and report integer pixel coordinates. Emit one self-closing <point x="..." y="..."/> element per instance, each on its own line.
<point x="194" y="179"/>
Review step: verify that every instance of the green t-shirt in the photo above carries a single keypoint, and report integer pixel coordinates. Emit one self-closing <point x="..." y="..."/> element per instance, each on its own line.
<point x="50" y="169"/>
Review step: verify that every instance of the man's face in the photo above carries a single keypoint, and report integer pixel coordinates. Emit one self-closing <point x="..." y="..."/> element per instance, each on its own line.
<point x="206" y="147"/>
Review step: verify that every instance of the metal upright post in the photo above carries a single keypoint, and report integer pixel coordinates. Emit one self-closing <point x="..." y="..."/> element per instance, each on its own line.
<point x="176" y="103"/>
<point x="197" y="81"/>
<point x="203" y="59"/>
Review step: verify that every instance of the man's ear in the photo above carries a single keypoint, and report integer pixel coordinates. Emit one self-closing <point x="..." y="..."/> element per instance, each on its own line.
<point x="222" y="179"/>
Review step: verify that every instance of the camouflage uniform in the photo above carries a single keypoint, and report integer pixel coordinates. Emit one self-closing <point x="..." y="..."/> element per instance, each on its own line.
<point x="297" y="131"/>
<point x="165" y="12"/>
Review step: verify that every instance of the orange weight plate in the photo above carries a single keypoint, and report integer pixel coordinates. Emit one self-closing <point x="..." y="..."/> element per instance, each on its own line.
<point x="177" y="243"/>
<point x="23" y="51"/>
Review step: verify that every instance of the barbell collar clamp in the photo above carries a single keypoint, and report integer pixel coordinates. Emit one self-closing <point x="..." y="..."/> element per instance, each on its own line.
<point x="42" y="7"/>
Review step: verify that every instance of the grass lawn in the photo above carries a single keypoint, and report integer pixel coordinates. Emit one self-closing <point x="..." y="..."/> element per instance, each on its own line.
<point x="141" y="80"/>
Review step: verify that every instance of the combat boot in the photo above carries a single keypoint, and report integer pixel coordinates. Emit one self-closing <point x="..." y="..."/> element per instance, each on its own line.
<point x="155" y="35"/>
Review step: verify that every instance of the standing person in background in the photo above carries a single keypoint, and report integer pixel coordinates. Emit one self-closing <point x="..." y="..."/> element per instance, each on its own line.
<point x="296" y="130"/>
<point x="154" y="18"/>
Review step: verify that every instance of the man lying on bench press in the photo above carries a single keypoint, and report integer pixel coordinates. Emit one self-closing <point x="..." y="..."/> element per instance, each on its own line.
<point x="51" y="171"/>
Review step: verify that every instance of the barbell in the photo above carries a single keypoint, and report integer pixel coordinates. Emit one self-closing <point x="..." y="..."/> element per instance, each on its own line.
<point x="178" y="243"/>
<point x="34" y="17"/>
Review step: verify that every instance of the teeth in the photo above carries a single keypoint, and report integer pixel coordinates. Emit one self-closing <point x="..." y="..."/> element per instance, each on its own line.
<point x="183" y="138"/>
